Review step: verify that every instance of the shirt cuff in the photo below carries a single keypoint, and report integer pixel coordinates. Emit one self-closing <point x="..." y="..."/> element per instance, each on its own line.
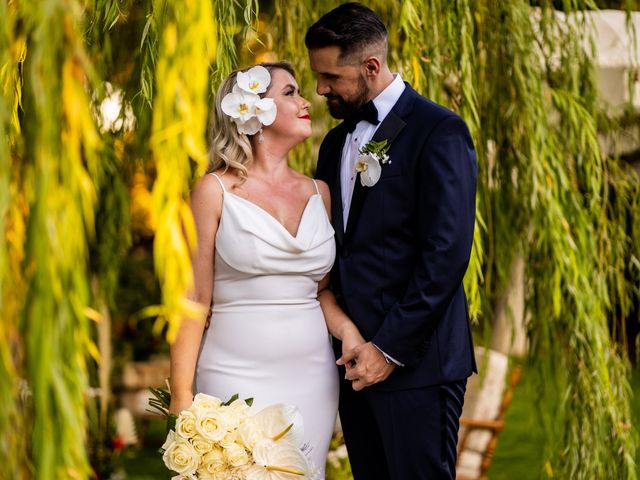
<point x="388" y="358"/>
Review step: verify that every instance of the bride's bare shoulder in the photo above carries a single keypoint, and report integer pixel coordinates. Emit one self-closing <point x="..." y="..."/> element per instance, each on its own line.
<point x="213" y="182"/>
<point x="207" y="192"/>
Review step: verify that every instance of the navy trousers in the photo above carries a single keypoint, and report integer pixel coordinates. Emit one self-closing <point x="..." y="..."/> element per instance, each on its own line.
<point x="402" y="435"/>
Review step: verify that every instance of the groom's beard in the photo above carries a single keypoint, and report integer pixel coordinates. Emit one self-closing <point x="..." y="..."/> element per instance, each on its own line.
<point x="342" y="108"/>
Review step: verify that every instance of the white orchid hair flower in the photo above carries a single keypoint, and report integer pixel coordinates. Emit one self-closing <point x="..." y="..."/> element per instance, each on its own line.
<point x="244" y="105"/>
<point x="239" y="106"/>
<point x="249" y="127"/>
<point x="266" y="110"/>
<point x="255" y="80"/>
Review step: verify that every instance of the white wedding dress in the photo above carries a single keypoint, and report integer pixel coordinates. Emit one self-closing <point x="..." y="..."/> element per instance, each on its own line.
<point x="267" y="337"/>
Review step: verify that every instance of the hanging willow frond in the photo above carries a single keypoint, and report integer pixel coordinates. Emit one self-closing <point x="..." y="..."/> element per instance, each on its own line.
<point x="60" y="165"/>
<point x="180" y="111"/>
<point x="228" y="27"/>
<point x="13" y="445"/>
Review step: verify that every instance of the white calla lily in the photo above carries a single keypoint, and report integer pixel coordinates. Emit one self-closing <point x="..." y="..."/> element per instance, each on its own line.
<point x="275" y="422"/>
<point x="277" y="461"/>
<point x="255" y="80"/>
<point x="266" y="110"/>
<point x="369" y="168"/>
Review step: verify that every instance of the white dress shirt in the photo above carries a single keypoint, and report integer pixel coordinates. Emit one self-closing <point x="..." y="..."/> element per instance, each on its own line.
<point x="363" y="132"/>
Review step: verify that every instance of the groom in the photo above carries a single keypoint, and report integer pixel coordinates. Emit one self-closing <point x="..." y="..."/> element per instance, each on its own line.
<point x="403" y="245"/>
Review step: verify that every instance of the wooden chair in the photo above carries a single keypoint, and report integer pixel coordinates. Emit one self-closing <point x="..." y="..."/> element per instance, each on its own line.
<point x="486" y="401"/>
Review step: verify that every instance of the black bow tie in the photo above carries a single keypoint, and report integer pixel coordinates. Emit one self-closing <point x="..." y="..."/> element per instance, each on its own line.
<point x="368" y="112"/>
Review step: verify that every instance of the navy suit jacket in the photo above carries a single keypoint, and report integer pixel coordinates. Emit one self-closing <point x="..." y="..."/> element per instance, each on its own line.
<point x="400" y="263"/>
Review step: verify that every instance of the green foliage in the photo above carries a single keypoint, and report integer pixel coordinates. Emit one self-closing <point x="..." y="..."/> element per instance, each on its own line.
<point x="338" y="467"/>
<point x="58" y="171"/>
<point x="546" y="191"/>
<point x="160" y="404"/>
<point x="375" y="148"/>
<point x="12" y="415"/>
<point x="180" y="111"/>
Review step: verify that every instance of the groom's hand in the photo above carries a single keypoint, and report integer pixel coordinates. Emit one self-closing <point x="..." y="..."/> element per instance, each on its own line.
<point x="370" y="367"/>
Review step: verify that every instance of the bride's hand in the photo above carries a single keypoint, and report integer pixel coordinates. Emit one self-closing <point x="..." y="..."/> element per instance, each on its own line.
<point x="351" y="338"/>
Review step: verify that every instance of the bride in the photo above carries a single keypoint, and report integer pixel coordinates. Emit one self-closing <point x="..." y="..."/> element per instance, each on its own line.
<point x="265" y="247"/>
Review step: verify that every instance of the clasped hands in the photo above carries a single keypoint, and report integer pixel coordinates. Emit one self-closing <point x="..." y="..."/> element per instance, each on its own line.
<point x="365" y="364"/>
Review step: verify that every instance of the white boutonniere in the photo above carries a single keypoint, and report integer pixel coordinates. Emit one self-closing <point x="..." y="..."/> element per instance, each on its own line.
<point x="369" y="164"/>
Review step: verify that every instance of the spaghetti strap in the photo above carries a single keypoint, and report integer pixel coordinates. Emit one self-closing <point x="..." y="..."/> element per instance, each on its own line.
<point x="222" y="184"/>
<point x="316" y="185"/>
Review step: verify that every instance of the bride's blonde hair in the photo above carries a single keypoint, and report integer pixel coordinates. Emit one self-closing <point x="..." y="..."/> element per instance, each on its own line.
<point x="229" y="149"/>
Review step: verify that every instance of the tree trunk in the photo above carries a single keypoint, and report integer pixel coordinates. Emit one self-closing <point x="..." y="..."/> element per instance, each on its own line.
<point x="509" y="333"/>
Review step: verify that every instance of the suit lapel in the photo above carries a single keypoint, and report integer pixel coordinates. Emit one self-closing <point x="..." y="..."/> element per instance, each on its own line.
<point x="334" y="155"/>
<point x="388" y="130"/>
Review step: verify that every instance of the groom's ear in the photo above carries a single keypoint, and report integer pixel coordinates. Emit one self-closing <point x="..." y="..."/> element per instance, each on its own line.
<point x="372" y="66"/>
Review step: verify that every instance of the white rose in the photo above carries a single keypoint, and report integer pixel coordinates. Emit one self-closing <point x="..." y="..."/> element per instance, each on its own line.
<point x="171" y="438"/>
<point x="239" y="473"/>
<point x="204" y="475"/>
<point x="201" y="444"/>
<point x="181" y="457"/>
<point x="182" y="476"/>
<point x="206" y="402"/>
<point x="212" y="425"/>
<point x="230" y="438"/>
<point x="235" y="455"/>
<point x="186" y="424"/>
<point x="236" y="413"/>
<point x="213" y="463"/>
<point x="249" y="433"/>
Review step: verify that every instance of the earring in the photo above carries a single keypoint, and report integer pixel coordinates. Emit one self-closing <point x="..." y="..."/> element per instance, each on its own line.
<point x="260" y="137"/>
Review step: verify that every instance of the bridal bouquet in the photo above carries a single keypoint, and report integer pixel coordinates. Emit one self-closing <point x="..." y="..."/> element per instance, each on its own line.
<point x="225" y="441"/>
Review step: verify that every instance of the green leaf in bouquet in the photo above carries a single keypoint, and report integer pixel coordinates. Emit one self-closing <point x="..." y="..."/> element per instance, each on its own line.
<point x="171" y="422"/>
<point x="248" y="401"/>
<point x="161" y="401"/>
<point x="233" y="398"/>
<point x="160" y="405"/>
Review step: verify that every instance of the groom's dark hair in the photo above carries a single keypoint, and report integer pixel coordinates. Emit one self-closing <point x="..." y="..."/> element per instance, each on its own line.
<point x="353" y="28"/>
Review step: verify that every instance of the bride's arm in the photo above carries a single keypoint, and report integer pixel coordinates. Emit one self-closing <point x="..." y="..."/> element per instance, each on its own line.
<point x="206" y="205"/>
<point x="338" y="323"/>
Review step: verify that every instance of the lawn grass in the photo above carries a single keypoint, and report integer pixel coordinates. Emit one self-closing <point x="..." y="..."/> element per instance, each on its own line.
<point x="519" y="455"/>
<point x="520" y="451"/>
<point x="146" y="463"/>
